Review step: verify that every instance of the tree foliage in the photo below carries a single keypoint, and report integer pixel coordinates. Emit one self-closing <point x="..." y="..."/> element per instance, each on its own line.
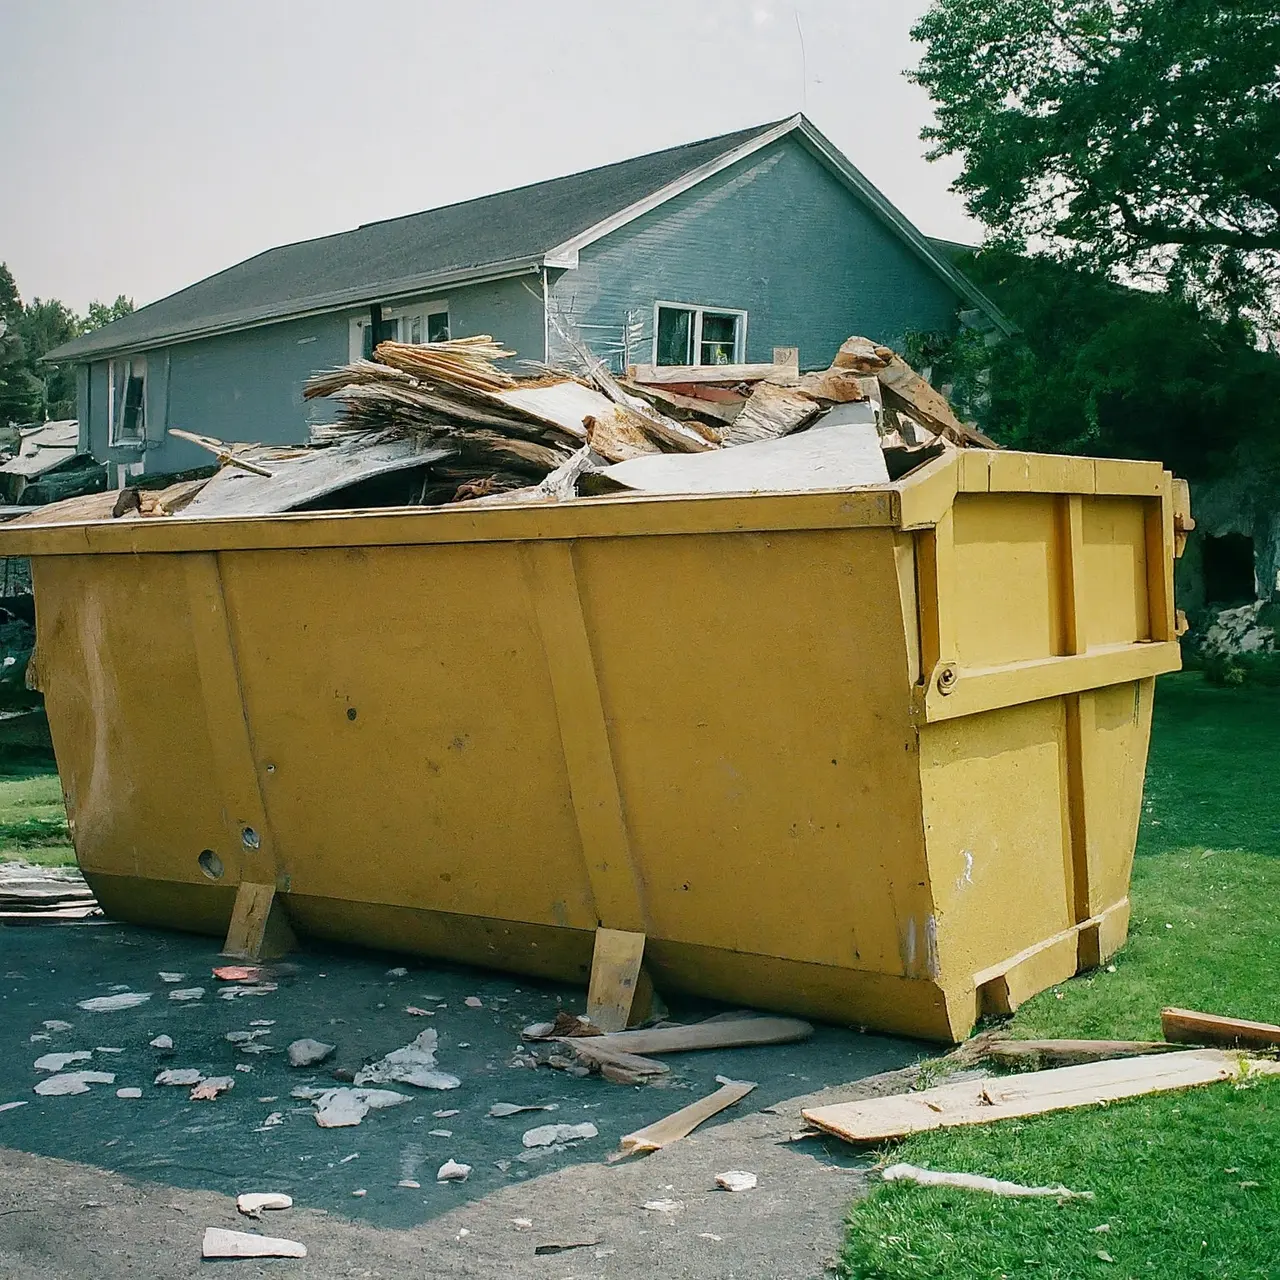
<point x="30" y="390"/>
<point x="1111" y="371"/>
<point x="1138" y="137"/>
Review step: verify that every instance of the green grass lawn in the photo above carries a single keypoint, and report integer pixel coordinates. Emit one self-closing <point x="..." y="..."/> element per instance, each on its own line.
<point x="1187" y="1184"/>
<point x="33" y="822"/>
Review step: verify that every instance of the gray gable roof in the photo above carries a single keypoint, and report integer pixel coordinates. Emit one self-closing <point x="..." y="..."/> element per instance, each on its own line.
<point x="477" y="239"/>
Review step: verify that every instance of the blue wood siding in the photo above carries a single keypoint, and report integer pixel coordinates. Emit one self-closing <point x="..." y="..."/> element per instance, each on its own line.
<point x="247" y="386"/>
<point x="777" y="235"/>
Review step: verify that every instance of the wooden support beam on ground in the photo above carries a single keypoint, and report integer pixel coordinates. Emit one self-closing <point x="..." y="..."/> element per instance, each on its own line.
<point x="615" y="978"/>
<point x="1013" y="1097"/>
<point x="715" y="1033"/>
<point x="259" y="928"/>
<point x="1186" y="1026"/>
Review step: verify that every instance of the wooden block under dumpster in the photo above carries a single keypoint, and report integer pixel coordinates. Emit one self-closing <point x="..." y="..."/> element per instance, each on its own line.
<point x="872" y="755"/>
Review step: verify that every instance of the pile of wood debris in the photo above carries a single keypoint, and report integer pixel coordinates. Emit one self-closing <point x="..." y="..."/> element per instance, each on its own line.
<point x="439" y="423"/>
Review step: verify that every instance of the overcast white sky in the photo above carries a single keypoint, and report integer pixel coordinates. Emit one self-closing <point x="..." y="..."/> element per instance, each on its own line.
<point x="145" y="144"/>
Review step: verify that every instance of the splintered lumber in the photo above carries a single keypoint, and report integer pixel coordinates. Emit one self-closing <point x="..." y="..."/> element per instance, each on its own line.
<point x="772" y="411"/>
<point x="906" y="390"/>
<point x="975" y="1182"/>
<point x="1186" y="1026"/>
<point x="1026" y="1055"/>
<point x="227" y="454"/>
<point x="1032" y="1094"/>
<point x="460" y="362"/>
<point x="683" y="1122"/>
<point x="840" y="386"/>
<point x="723" y="409"/>
<point x="613" y="1062"/>
<point x="715" y="1033"/>
<point x="662" y="374"/>
<point x="615" y="975"/>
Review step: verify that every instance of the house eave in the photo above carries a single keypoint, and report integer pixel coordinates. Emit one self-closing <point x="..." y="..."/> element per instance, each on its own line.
<point x="320" y="304"/>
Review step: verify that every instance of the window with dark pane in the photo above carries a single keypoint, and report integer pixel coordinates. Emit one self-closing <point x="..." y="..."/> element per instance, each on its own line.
<point x="133" y="418"/>
<point x="675" y="335"/>
<point x="719" y="338"/>
<point x="438" y="326"/>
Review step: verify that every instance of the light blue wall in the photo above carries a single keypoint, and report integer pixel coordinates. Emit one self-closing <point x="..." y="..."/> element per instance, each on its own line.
<point x="247" y="386"/>
<point x="777" y="235"/>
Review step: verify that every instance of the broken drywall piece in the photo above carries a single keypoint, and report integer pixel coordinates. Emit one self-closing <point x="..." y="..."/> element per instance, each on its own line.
<point x="245" y="1037"/>
<point x="187" y="993"/>
<point x="209" y="1088"/>
<point x="340" y="1108"/>
<point x="414" y="1064"/>
<point x="259" y="989"/>
<point x="253" y="1203"/>
<point x="452" y="1171"/>
<point x="444" y="1115"/>
<point x="737" y="1180"/>
<point x="221" y="1243"/>
<point x="170" y="977"/>
<point x="398" y="972"/>
<point x="103" y="1048"/>
<point x="500" y="1109"/>
<point x="55" y="1024"/>
<point x="663" y="1206"/>
<point x="182" y="1077"/>
<point x="129" y="1091"/>
<point x="10" y="1106"/>
<point x="975" y="1182"/>
<point x="164" y="1043"/>
<point x="547" y="1134"/>
<point x="72" y="1082"/>
<point x="306" y="1053"/>
<point x="474" y="1002"/>
<point x="109" y="1004"/>
<point x="273" y="1121"/>
<point x="57" y="1061"/>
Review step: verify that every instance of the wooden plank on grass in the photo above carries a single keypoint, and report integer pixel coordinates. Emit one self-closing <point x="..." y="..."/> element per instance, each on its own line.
<point x="1186" y="1026"/>
<point x="1032" y="1094"/>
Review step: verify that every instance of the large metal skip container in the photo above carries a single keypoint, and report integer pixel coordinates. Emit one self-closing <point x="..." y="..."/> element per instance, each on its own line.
<point x="873" y="756"/>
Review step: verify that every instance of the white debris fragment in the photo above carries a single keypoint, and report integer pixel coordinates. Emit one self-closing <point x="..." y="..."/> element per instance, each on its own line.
<point x="452" y="1171"/>
<point x="259" y="989"/>
<point x="975" y="1182"/>
<point x="9" y="1106"/>
<point x="414" y="1064"/>
<point x="273" y="1121"/>
<point x="538" y="1030"/>
<point x="263" y="1022"/>
<point x="72" y="1082"/>
<point x="361" y="1192"/>
<point x="129" y="1092"/>
<point x="184" y="1077"/>
<point x="38" y="1037"/>
<point x="245" y="1037"/>
<point x="708" y="1235"/>
<point x="253" y="1203"/>
<point x="474" y="1002"/>
<point x="103" y="1048"/>
<point x="109" y="1004"/>
<point x="57" y="1061"/>
<point x="500" y="1109"/>
<point x="306" y="1053"/>
<point x="162" y="1042"/>
<point x="663" y="1206"/>
<point x="209" y="1088"/>
<point x="522" y="1224"/>
<point x="339" y="1108"/>
<point x="56" y="1024"/>
<point x="546" y="1134"/>
<point x="410" y="1184"/>
<point x="170" y="977"/>
<point x="737" y="1180"/>
<point x="187" y="993"/>
<point x="221" y="1243"/>
<point x="418" y="1013"/>
<point x="444" y="1115"/>
<point x="355" y="1155"/>
<point x="440" y="1133"/>
<point x="398" y="972"/>
<point x="306" y="1092"/>
<point x="243" y="1066"/>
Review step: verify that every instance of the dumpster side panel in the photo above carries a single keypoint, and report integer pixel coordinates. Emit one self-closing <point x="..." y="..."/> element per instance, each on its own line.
<point x="757" y="696"/>
<point x="403" y="716"/>
<point x="119" y="642"/>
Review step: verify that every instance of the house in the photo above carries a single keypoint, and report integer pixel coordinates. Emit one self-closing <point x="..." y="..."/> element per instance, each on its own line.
<point x="716" y="251"/>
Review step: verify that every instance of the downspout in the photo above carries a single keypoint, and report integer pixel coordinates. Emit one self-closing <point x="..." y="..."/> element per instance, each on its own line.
<point x="546" y="317"/>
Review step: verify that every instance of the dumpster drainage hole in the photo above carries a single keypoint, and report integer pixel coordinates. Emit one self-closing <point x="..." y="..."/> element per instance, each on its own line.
<point x="210" y="864"/>
<point x="249" y="838"/>
<point x="351" y="713"/>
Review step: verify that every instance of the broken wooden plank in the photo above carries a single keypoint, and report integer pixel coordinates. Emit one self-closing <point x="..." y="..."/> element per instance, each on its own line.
<point x="258" y="925"/>
<point x="1186" y="1026"/>
<point x="615" y="974"/>
<point x="722" y="409"/>
<point x="613" y="1063"/>
<point x="1034" y="1055"/>
<point x="726" y="1033"/>
<point x="662" y="375"/>
<point x="772" y="411"/>
<point x="683" y="1122"/>
<point x="1035" y="1093"/>
<point x="905" y="389"/>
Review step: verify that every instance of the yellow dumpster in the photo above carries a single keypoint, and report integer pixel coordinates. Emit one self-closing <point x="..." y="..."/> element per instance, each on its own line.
<point x="873" y="756"/>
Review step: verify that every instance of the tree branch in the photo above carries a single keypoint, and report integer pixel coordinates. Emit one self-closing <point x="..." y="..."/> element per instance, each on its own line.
<point x="1166" y="233"/>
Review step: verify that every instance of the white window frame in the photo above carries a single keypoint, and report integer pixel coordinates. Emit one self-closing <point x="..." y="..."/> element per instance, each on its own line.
<point x="698" y="309"/>
<point x="405" y="313"/>
<point x="119" y="374"/>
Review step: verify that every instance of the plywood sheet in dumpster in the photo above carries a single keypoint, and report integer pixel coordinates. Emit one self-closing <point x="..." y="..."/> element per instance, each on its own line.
<point x="1009" y="606"/>
<point x="402" y="698"/>
<point x="1114" y="564"/>
<point x="994" y="788"/>
<point x="769" y="766"/>
<point x="120" y="634"/>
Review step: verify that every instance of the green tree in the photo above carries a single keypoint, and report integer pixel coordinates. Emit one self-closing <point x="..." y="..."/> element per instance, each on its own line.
<point x="101" y="314"/>
<point x="1138" y="137"/>
<point x="19" y="388"/>
<point x="43" y="325"/>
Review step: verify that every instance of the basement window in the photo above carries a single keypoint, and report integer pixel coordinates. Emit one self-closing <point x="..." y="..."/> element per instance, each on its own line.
<point x="691" y="335"/>
<point x="127" y="400"/>
<point x="415" y="323"/>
